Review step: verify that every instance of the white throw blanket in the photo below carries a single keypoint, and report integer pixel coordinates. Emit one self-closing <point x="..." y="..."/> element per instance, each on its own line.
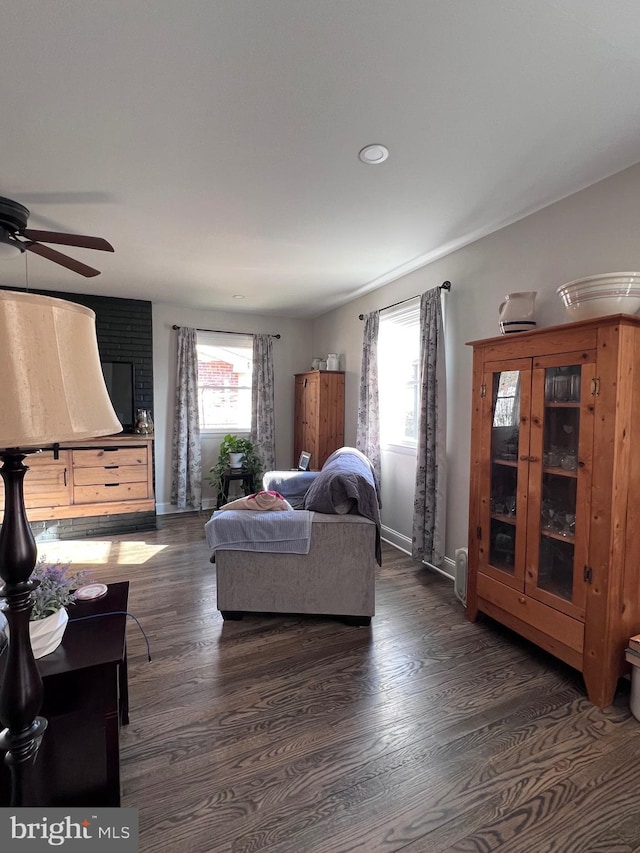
<point x="284" y="532"/>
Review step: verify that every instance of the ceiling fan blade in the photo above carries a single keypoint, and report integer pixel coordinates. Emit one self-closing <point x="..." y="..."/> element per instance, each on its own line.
<point x="73" y="197"/>
<point x="80" y="240"/>
<point x="63" y="260"/>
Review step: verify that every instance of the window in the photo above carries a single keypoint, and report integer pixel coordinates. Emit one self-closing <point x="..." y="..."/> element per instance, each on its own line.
<point x="225" y="367"/>
<point x="399" y="374"/>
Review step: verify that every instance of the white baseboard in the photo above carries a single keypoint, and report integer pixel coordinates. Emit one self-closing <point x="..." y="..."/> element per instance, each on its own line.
<point x="167" y="509"/>
<point x="172" y="509"/>
<point x="398" y="540"/>
<point x="403" y="543"/>
<point x="449" y="568"/>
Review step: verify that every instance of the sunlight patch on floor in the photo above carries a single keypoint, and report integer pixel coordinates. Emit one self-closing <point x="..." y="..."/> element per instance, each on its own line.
<point x="91" y="553"/>
<point x="137" y="553"/>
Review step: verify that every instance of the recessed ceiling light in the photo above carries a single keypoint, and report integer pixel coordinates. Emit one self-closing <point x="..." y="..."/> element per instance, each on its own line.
<point x="238" y="296"/>
<point x="374" y="154"/>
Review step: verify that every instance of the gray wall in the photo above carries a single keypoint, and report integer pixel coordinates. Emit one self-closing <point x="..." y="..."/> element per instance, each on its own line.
<point x="594" y="231"/>
<point x="291" y="354"/>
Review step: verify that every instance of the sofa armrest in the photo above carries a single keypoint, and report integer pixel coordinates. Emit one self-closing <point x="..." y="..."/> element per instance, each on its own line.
<point x="292" y="485"/>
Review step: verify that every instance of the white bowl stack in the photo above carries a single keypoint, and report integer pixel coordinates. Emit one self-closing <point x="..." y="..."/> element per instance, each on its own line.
<point x="599" y="295"/>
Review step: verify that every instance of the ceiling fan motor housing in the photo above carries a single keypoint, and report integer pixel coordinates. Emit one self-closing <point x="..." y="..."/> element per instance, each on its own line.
<point x="13" y="216"/>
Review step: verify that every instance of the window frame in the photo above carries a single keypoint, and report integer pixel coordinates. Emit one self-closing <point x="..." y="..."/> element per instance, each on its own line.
<point x="224" y="340"/>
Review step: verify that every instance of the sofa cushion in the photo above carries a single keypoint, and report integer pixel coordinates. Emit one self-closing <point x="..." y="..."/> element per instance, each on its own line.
<point x="292" y="485"/>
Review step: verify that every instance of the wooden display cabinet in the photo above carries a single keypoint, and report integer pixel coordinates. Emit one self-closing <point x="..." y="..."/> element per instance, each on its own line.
<point x="554" y="533"/>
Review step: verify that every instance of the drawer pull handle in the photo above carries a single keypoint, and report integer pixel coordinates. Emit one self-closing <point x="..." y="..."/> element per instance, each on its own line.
<point x="110" y="449"/>
<point x="110" y="467"/>
<point x="110" y="485"/>
<point x="522" y="600"/>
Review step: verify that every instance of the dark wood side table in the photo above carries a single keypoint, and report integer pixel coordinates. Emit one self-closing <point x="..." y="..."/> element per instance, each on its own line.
<point x="232" y="474"/>
<point x="86" y="699"/>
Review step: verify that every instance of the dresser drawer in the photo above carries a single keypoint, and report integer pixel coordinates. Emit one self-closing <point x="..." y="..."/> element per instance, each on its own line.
<point x="558" y="626"/>
<point x="110" y="456"/>
<point x="112" y="492"/>
<point x="110" y="474"/>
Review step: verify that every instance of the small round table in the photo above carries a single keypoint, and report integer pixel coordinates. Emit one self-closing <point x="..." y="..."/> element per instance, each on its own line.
<point x="235" y="474"/>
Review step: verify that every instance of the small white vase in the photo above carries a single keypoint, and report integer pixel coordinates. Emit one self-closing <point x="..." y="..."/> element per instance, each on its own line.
<point x="518" y="312"/>
<point x="46" y="634"/>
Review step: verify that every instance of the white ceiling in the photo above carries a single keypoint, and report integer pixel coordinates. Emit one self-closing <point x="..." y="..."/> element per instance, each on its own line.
<point x="215" y="142"/>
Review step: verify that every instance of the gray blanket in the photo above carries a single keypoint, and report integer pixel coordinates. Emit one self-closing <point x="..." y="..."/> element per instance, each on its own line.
<point x="347" y="484"/>
<point x="285" y="532"/>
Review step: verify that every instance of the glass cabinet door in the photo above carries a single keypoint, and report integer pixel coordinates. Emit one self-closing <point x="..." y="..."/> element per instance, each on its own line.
<point x="506" y="432"/>
<point x="559" y="484"/>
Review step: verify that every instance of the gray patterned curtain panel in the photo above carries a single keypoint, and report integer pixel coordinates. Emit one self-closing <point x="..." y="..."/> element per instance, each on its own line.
<point x="263" y="430"/>
<point x="186" y="465"/>
<point x="368" y="429"/>
<point x="428" y="533"/>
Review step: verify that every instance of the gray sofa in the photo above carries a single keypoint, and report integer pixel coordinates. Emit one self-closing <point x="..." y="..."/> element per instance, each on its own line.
<point x="337" y="576"/>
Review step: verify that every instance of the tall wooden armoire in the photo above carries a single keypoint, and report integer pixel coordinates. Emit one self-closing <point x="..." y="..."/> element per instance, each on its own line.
<point x="319" y="415"/>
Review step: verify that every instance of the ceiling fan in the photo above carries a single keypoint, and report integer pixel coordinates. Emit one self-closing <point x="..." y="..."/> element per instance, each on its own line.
<point x="15" y="235"/>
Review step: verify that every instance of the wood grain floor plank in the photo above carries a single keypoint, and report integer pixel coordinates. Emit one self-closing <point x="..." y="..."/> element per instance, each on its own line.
<point x="288" y="734"/>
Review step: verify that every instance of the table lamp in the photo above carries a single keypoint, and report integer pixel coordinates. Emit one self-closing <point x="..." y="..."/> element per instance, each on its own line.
<point x="52" y="391"/>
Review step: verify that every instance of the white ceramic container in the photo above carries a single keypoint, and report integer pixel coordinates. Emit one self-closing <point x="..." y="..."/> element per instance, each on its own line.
<point x="599" y="295"/>
<point x="518" y="312"/>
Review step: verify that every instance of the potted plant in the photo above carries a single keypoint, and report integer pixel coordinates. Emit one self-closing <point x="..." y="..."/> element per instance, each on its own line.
<point x="233" y="448"/>
<point x="250" y="462"/>
<point x="49" y="616"/>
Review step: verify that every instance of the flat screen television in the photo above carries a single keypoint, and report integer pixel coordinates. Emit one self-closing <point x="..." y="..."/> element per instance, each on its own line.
<point x="118" y="377"/>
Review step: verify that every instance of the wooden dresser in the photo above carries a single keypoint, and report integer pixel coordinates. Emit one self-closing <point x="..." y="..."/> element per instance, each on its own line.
<point x="103" y="476"/>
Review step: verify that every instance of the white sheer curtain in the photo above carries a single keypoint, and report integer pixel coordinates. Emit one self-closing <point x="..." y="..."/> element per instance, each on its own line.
<point x="428" y="533"/>
<point x="186" y="464"/>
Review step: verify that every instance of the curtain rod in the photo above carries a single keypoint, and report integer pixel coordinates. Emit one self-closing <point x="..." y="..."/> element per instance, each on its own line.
<point x="446" y="285"/>
<point x="225" y="332"/>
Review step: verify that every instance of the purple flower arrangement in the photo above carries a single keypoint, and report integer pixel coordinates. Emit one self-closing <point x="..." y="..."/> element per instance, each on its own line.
<point x="57" y="587"/>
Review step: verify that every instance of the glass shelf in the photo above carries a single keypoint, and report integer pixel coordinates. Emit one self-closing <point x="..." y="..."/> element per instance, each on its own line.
<point x="506" y="519"/>
<point x="560" y="472"/>
<point x="563" y="405"/>
<point x="554" y="534"/>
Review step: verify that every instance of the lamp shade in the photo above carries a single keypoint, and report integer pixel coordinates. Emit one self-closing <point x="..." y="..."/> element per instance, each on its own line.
<point x="50" y="376"/>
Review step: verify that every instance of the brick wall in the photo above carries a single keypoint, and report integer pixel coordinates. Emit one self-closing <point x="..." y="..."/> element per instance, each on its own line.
<point x="216" y="373"/>
<point x="124" y="332"/>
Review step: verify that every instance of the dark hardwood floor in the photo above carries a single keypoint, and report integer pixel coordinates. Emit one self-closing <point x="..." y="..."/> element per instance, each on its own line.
<point x="303" y="735"/>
